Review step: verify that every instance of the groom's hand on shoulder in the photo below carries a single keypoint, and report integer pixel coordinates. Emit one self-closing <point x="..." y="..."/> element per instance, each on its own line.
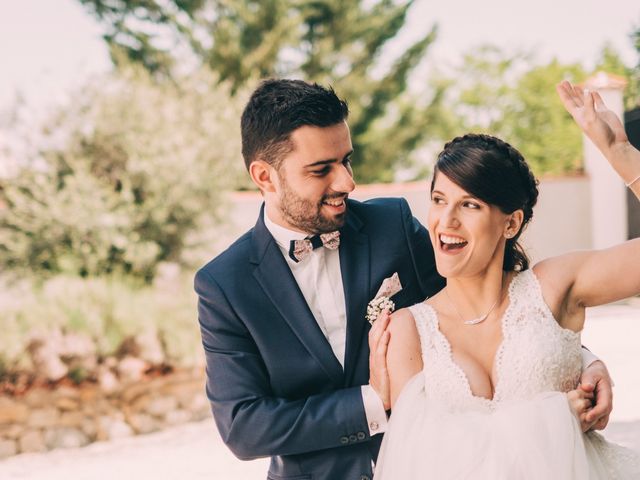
<point x="378" y="373"/>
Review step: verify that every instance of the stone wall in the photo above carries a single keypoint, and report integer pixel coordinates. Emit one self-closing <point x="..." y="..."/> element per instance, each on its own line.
<point x="44" y="419"/>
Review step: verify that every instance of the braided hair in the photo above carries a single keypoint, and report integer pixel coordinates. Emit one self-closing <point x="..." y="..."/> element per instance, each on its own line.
<point x="495" y="172"/>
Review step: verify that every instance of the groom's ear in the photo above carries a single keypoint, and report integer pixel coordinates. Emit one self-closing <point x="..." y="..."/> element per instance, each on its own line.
<point x="263" y="175"/>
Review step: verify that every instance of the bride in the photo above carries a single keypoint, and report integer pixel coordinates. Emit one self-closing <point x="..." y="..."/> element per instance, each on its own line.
<point x="476" y="375"/>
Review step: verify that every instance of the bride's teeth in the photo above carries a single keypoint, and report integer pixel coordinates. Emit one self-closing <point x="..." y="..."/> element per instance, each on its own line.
<point x="451" y="240"/>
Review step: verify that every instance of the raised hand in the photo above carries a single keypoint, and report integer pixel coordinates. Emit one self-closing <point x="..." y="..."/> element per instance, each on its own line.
<point x="605" y="130"/>
<point x="600" y="124"/>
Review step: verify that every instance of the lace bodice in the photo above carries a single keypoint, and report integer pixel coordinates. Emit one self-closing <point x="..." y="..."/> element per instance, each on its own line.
<point x="536" y="354"/>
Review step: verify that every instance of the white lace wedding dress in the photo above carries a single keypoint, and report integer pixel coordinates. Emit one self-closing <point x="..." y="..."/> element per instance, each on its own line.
<point x="440" y="430"/>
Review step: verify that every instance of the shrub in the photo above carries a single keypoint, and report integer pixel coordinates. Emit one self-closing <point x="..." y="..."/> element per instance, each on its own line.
<point x="130" y="171"/>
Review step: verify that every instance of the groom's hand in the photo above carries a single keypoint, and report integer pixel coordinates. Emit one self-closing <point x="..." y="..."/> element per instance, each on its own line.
<point x="596" y="377"/>
<point x="581" y="402"/>
<point x="378" y="343"/>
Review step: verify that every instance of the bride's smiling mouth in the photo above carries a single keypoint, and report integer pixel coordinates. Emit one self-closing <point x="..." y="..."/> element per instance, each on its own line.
<point x="451" y="244"/>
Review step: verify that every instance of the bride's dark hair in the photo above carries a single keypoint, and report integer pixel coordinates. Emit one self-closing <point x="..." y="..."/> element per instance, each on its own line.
<point x="496" y="173"/>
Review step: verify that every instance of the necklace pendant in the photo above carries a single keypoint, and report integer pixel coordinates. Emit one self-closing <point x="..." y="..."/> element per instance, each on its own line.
<point x="475" y="321"/>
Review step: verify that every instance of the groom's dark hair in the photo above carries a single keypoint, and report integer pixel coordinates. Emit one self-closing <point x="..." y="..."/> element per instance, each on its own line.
<point x="277" y="108"/>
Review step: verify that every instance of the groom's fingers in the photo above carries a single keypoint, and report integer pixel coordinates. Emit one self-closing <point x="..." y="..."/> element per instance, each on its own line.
<point x="381" y="350"/>
<point x="601" y="424"/>
<point x="599" y="414"/>
<point x="584" y="424"/>
<point x="378" y="328"/>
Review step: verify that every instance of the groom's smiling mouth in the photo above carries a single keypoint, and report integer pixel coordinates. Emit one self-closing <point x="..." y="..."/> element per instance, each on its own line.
<point x="336" y="205"/>
<point x="451" y="243"/>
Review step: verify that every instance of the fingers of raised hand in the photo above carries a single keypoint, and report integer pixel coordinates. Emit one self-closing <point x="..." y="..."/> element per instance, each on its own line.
<point x="569" y="98"/>
<point x="599" y="103"/>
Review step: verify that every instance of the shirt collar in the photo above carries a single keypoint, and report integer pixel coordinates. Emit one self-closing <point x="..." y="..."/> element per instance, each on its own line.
<point x="282" y="235"/>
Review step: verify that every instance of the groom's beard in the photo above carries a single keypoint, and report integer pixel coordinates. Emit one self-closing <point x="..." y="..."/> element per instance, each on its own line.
<point x="307" y="215"/>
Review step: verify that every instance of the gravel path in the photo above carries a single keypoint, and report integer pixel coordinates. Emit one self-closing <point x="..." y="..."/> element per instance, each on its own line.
<point x="195" y="451"/>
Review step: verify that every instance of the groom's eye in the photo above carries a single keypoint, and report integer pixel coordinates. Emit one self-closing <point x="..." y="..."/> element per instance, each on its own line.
<point x="322" y="172"/>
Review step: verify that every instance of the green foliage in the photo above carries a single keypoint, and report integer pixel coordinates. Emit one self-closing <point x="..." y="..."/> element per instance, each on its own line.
<point x="511" y="97"/>
<point x="345" y="44"/>
<point x="106" y="309"/>
<point x="78" y="375"/>
<point x="136" y="167"/>
<point x="611" y="62"/>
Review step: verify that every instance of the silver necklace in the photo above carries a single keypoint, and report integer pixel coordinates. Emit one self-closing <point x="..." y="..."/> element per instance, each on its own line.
<point x="477" y="320"/>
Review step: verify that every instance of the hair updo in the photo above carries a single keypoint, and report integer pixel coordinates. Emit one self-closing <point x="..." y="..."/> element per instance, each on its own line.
<point x="496" y="173"/>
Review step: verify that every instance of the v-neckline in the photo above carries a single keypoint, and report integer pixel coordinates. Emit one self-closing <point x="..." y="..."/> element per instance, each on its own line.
<point x="495" y="362"/>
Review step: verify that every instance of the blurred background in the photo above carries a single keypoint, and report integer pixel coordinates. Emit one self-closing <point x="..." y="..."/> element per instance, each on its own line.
<point x="121" y="173"/>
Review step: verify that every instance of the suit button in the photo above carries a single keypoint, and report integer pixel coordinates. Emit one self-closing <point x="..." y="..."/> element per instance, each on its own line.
<point x="344" y="440"/>
<point x="361" y="436"/>
<point x="365" y="477"/>
<point x="353" y="438"/>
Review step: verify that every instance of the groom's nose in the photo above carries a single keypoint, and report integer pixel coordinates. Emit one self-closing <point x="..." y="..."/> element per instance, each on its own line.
<point x="343" y="180"/>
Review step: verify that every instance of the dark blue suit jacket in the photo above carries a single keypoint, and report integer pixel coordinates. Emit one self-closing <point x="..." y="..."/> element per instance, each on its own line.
<point x="276" y="388"/>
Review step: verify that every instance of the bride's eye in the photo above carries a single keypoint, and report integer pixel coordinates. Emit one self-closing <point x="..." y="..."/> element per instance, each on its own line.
<point x="471" y="205"/>
<point x="437" y="200"/>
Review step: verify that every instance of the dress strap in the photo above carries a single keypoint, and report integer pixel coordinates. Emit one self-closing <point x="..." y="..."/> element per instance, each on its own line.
<point x="424" y="316"/>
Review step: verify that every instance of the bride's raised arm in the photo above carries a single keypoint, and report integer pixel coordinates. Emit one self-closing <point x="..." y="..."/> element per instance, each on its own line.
<point x="605" y="130"/>
<point x="589" y="278"/>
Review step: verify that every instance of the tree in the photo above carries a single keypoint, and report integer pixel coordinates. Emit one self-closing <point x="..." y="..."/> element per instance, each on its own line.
<point x="511" y="97"/>
<point x="138" y="169"/>
<point x="611" y="62"/>
<point x="328" y="41"/>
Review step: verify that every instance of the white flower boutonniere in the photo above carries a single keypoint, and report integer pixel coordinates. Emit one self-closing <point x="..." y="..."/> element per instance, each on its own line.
<point x="390" y="286"/>
<point x="376" y="306"/>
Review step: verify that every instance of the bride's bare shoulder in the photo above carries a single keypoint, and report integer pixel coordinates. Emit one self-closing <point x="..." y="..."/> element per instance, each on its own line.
<point x="403" y="326"/>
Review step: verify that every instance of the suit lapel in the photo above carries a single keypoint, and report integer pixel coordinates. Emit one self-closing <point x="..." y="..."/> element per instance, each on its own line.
<point x="356" y="275"/>
<point x="275" y="277"/>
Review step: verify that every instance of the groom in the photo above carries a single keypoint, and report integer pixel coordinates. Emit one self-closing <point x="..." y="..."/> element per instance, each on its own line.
<point x="282" y="311"/>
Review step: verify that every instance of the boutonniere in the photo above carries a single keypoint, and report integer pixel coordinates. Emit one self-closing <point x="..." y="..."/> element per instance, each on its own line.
<point x="390" y="286"/>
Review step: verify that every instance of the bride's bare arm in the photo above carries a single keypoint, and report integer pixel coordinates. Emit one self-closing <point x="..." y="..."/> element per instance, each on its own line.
<point x="588" y="278"/>
<point x="404" y="358"/>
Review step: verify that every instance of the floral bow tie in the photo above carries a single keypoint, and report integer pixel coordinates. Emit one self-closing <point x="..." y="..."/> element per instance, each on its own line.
<point x="300" y="249"/>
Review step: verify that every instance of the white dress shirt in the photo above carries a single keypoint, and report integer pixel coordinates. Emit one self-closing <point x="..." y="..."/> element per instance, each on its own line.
<point x="320" y="280"/>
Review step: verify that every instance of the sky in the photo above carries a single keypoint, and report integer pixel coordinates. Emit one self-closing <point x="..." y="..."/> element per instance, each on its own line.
<point x="49" y="47"/>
